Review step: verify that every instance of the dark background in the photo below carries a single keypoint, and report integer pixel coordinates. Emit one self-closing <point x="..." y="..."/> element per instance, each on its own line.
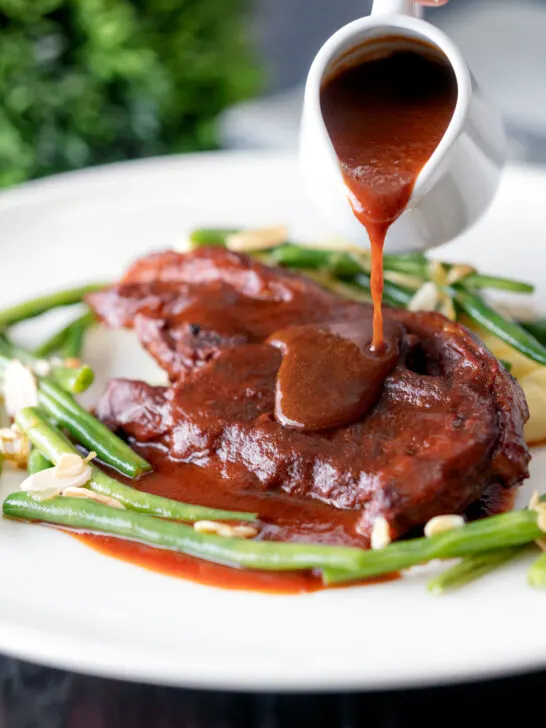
<point x="34" y="697"/>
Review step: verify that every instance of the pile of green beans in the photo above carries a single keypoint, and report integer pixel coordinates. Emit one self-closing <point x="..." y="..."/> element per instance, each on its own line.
<point x="528" y="338"/>
<point x="481" y="546"/>
<point x="51" y="443"/>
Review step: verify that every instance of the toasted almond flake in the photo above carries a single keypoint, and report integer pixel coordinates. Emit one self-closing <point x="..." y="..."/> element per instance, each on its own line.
<point x="20" y="388"/>
<point x="182" y="244"/>
<point x="381" y="533"/>
<point x="45" y="494"/>
<point x="224" y="529"/>
<point x="42" y="367"/>
<point x="69" y="465"/>
<point x="70" y="472"/>
<point x="534" y="503"/>
<point x="426" y="298"/>
<point x="76" y="492"/>
<point x="257" y="239"/>
<point x="14" y="445"/>
<point x="440" y="524"/>
<point x="447" y="307"/>
<point x="44" y="481"/>
<point x="437" y="272"/>
<point x="458" y="272"/>
<point x="8" y="433"/>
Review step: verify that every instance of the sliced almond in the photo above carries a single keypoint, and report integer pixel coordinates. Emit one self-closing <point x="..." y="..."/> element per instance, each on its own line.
<point x="42" y="367"/>
<point x="437" y="272"/>
<point x="426" y="298"/>
<point x="69" y="465"/>
<point x="45" y="493"/>
<point x="534" y="503"/>
<point x="75" y="492"/>
<point x="441" y="524"/>
<point x="258" y="239"/>
<point x="20" y="389"/>
<point x="447" y="307"/>
<point x="224" y="529"/>
<point x="71" y="471"/>
<point x="43" y="482"/>
<point x="458" y="272"/>
<point x="14" y="445"/>
<point x="381" y="533"/>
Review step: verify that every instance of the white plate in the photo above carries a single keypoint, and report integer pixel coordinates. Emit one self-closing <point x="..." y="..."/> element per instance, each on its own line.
<point x="63" y="604"/>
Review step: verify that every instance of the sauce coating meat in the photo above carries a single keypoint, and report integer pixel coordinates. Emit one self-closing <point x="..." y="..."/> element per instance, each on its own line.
<point x="446" y="424"/>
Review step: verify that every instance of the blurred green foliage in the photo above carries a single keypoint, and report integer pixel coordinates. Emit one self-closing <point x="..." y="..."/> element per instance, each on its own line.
<point x="90" y="81"/>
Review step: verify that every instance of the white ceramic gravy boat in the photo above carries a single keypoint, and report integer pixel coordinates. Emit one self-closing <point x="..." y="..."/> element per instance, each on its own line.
<point x="460" y="179"/>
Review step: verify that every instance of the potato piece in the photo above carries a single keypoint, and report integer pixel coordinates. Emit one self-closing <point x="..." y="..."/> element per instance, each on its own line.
<point x="534" y="386"/>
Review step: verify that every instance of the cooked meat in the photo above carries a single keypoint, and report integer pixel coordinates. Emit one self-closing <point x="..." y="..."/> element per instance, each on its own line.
<point x="446" y="423"/>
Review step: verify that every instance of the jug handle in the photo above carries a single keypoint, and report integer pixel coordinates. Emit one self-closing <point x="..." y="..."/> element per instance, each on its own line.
<point x="397" y="7"/>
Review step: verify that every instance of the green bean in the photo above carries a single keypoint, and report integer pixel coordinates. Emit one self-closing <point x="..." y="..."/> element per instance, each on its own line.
<point x="478" y="280"/>
<point x="58" y="341"/>
<point x="38" y="306"/>
<point x="210" y="236"/>
<point x="536" y="328"/>
<point x="509" y="331"/>
<point x="73" y="344"/>
<point x="37" y="462"/>
<point x="339" y="263"/>
<point x="88" y="431"/>
<point x="471" y="568"/>
<point x="536" y="576"/>
<point x="80" y="423"/>
<point x="508" y="529"/>
<point x="414" y="264"/>
<point x="72" y="379"/>
<point x="52" y="444"/>
<point x="264" y="555"/>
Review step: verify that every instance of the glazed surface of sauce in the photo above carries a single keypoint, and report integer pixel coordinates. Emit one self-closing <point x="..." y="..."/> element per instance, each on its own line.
<point x="281" y="518"/>
<point x="385" y="117"/>
<point x="336" y="354"/>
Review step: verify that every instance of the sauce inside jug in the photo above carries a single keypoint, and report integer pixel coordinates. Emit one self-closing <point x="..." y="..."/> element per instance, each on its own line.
<point x="385" y="117"/>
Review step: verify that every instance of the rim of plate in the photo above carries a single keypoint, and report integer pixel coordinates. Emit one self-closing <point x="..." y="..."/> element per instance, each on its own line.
<point x="83" y="655"/>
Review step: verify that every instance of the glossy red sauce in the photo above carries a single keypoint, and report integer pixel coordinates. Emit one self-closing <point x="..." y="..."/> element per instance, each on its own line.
<point x="329" y="377"/>
<point x="385" y="118"/>
<point x="282" y="518"/>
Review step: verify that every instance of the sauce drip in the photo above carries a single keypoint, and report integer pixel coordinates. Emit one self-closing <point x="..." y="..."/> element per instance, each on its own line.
<point x="328" y="376"/>
<point x="385" y="117"/>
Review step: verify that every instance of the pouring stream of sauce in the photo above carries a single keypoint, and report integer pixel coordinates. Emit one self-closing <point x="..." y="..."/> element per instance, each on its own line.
<point x="385" y="117"/>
